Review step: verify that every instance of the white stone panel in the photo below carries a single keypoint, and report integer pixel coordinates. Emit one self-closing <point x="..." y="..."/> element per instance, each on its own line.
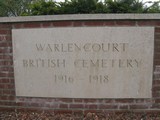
<point x="84" y="62"/>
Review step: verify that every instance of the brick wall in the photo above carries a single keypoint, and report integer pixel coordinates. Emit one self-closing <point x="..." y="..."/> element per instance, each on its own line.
<point x="8" y="100"/>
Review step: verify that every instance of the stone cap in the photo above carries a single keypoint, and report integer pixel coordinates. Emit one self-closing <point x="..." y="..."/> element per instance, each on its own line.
<point x="75" y="17"/>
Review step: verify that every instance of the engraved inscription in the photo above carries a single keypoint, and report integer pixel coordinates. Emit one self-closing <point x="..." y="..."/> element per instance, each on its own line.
<point x="98" y="79"/>
<point x="84" y="62"/>
<point x="43" y="63"/>
<point x="87" y="47"/>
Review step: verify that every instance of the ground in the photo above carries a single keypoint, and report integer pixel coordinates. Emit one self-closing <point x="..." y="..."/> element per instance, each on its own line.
<point x="12" y="115"/>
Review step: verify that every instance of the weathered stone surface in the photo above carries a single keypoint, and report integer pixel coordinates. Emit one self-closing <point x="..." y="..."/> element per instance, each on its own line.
<point x="84" y="62"/>
<point x="81" y="17"/>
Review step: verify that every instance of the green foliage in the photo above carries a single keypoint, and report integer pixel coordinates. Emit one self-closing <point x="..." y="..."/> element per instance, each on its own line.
<point x="93" y="6"/>
<point x="124" y="6"/>
<point x="13" y="7"/>
<point x="155" y="8"/>
<point x="42" y="7"/>
<point x="82" y="6"/>
<point x="50" y="7"/>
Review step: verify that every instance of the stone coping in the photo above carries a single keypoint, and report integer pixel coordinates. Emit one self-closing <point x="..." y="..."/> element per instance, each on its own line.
<point x="77" y="17"/>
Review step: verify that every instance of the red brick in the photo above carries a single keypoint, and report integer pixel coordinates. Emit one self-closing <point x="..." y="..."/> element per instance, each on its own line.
<point x="109" y="101"/>
<point x="5" y="50"/>
<point x="5" y="25"/>
<point x="35" y="105"/>
<point x="32" y="25"/>
<point x="123" y="107"/>
<point x="156" y="76"/>
<point x="6" y="57"/>
<point x="157" y="43"/>
<point x="7" y="103"/>
<point x="149" y="100"/>
<point x="148" y="23"/>
<point x="49" y="100"/>
<point x="156" y="106"/>
<point x="157" y="100"/>
<point x="63" y="106"/>
<point x="13" y="92"/>
<point x="2" y="86"/>
<point x="157" y="39"/>
<point x="78" y="100"/>
<point x="63" y="111"/>
<point x="126" y="23"/>
<point x="138" y="107"/>
<point x="20" y="104"/>
<point x="5" y="38"/>
<point x="93" y="23"/>
<point x="5" y="69"/>
<point x="7" y="86"/>
<point x="76" y="106"/>
<point x="18" y="25"/>
<point x="90" y="100"/>
<point x="8" y="38"/>
<point x="62" y="24"/>
<point x="6" y="74"/>
<point x="7" y="98"/>
<point x="157" y="56"/>
<point x="11" y="80"/>
<point x="7" y="92"/>
<point x="47" y="24"/>
<point x="3" y="98"/>
<point x="157" y="68"/>
<point x="22" y="99"/>
<point x="109" y="23"/>
<point x="65" y="100"/>
<point x="4" y="63"/>
<point x="5" y="31"/>
<point x="157" y="62"/>
<point x="53" y="106"/>
<point x="124" y="101"/>
<point x="5" y="44"/>
<point x="91" y="106"/>
<point x="156" y="94"/>
<point x="4" y="80"/>
<point x="103" y="106"/>
<point x="30" y="110"/>
<point x="157" y="49"/>
<point x="5" y="109"/>
<point x="157" y="30"/>
<point x="156" y="88"/>
<point x="78" y="23"/>
<point x="10" y="86"/>
<point x="156" y="82"/>
<point x="139" y="100"/>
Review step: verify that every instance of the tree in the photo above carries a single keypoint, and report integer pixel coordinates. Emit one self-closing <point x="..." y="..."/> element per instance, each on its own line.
<point x="42" y="7"/>
<point x="83" y="6"/>
<point x="13" y="7"/>
<point x="155" y="8"/>
<point x="124" y="6"/>
<point x="92" y="6"/>
<point x="50" y="7"/>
